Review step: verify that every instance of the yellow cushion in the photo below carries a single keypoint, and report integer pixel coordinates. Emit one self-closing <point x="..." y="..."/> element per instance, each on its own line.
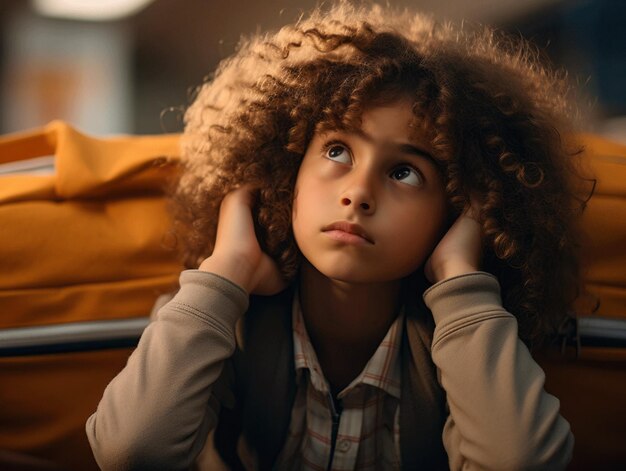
<point x="89" y="242"/>
<point x="604" y="223"/>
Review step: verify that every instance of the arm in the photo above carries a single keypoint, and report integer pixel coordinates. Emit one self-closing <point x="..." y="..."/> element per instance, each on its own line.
<point x="157" y="412"/>
<point x="500" y="415"/>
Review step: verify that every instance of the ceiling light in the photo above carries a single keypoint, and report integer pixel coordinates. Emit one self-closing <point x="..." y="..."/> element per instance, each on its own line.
<point x="91" y="10"/>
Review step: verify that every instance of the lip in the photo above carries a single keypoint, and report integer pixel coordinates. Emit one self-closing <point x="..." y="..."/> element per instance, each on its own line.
<point x="347" y="232"/>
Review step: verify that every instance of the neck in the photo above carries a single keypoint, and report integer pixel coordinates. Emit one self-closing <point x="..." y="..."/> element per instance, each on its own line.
<point x="346" y="321"/>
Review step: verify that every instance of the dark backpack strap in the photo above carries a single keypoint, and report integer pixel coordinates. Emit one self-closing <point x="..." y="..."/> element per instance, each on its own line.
<point x="270" y="378"/>
<point x="230" y="420"/>
<point x="423" y="403"/>
<point x="264" y="383"/>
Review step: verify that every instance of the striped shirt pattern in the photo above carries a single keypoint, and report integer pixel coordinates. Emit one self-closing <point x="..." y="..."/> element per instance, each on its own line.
<point x="368" y="436"/>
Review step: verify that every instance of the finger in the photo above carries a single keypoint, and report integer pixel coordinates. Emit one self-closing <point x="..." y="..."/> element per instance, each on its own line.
<point x="473" y="209"/>
<point x="428" y="271"/>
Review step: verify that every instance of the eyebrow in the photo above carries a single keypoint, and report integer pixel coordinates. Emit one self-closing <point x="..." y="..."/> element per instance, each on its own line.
<point x="411" y="149"/>
<point x="404" y="148"/>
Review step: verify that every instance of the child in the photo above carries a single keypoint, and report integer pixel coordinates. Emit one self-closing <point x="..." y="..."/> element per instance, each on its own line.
<point x="393" y="188"/>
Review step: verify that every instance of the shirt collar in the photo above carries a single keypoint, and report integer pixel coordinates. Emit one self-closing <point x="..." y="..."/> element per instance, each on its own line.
<point x="381" y="371"/>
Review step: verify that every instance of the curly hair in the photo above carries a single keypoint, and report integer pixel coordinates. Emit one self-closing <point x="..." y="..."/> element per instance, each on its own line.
<point x="493" y="112"/>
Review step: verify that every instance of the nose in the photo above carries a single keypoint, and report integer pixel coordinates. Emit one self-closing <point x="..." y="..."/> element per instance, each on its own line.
<point x="359" y="194"/>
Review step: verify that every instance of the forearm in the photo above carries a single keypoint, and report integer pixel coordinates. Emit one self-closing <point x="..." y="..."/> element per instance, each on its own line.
<point x="500" y="415"/>
<point x="155" y="414"/>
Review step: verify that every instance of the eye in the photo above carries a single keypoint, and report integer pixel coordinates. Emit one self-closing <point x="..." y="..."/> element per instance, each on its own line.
<point x="407" y="175"/>
<point x="337" y="152"/>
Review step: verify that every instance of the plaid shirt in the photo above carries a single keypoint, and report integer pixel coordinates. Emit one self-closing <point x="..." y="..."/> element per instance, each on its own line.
<point x="368" y="433"/>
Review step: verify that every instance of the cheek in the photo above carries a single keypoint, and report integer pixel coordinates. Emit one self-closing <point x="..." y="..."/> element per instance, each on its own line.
<point x="440" y="220"/>
<point x="423" y="232"/>
<point x="308" y="195"/>
<point x="301" y="213"/>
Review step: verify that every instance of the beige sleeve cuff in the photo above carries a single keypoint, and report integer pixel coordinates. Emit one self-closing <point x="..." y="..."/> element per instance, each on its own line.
<point x="211" y="297"/>
<point x="463" y="300"/>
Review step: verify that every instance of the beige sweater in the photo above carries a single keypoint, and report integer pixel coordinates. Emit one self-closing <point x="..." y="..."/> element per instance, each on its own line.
<point x="154" y="414"/>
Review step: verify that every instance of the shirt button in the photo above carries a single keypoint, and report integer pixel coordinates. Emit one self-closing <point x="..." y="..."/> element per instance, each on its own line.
<point x="344" y="445"/>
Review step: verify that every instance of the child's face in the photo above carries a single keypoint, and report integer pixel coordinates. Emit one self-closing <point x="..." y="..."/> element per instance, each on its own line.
<point x="369" y="206"/>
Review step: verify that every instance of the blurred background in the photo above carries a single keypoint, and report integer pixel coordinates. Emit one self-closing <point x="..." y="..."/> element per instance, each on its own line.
<point x="129" y="66"/>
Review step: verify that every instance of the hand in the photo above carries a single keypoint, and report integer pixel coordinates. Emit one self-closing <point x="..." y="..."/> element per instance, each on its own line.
<point x="237" y="255"/>
<point x="459" y="251"/>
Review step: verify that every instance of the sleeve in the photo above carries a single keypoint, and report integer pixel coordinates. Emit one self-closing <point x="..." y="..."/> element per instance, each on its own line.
<point x="157" y="412"/>
<point x="501" y="418"/>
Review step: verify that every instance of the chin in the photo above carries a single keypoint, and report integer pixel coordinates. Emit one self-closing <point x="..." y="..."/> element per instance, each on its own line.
<point x="338" y="271"/>
<point x="355" y="275"/>
<point x="351" y="278"/>
<point x="349" y="269"/>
